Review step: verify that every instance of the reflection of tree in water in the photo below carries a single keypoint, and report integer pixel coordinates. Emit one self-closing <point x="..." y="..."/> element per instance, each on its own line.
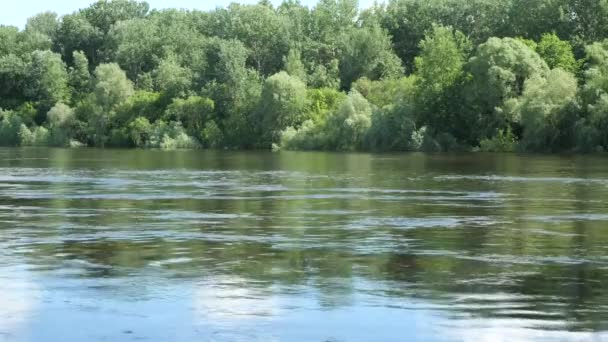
<point x="563" y="292"/>
<point x="283" y="233"/>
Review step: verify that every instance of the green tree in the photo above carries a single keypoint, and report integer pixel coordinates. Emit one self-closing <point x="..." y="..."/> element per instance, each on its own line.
<point x="143" y="104"/>
<point x="235" y="90"/>
<point x="596" y="75"/>
<point x="76" y="33"/>
<point x="172" y="79"/>
<point x="36" y="136"/>
<point x="498" y="69"/>
<point x="40" y="31"/>
<point x="532" y="19"/>
<point x="142" y="43"/>
<point x="60" y="115"/>
<point x="598" y="122"/>
<point x="170" y="136"/>
<point x="293" y="65"/>
<point x="407" y="21"/>
<point x="547" y="111"/>
<point x="61" y="120"/>
<point x="9" y="41"/>
<point x="440" y="71"/>
<point x="332" y="18"/>
<point x="79" y="76"/>
<point x="264" y="33"/>
<point x="312" y="133"/>
<point x="103" y="14"/>
<point x="298" y="18"/>
<point x="11" y="125"/>
<point x="394" y="116"/>
<point x="246" y="76"/>
<point x="97" y="21"/>
<point x="13" y="74"/>
<point x="111" y="89"/>
<point x="283" y="103"/>
<point x="22" y="43"/>
<point x="47" y="80"/>
<point x="139" y="45"/>
<point x="326" y="76"/>
<point x="347" y="129"/>
<point x="179" y="38"/>
<point x="193" y="112"/>
<point x="46" y="23"/>
<point x="576" y="21"/>
<point x="557" y="53"/>
<point x="213" y="136"/>
<point x="322" y="102"/>
<point x="443" y="53"/>
<point x="140" y="131"/>
<point x="367" y="52"/>
<point x="595" y="97"/>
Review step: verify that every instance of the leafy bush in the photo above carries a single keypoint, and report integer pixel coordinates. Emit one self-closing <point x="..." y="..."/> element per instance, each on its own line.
<point x="170" y="136"/>
<point x="10" y="128"/>
<point x="212" y="135"/>
<point x="62" y="121"/>
<point x="38" y="136"/>
<point x="347" y="129"/>
<point x="503" y="141"/>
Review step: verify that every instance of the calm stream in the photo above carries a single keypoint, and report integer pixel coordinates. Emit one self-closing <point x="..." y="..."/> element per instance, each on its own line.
<point x="113" y="245"/>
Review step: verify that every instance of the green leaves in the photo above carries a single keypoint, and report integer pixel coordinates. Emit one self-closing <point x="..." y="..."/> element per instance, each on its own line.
<point x="545" y="111"/>
<point x="439" y="68"/>
<point x="174" y="80"/>
<point x="422" y="74"/>
<point x="262" y="31"/>
<point x="348" y="127"/>
<point x="557" y="53"/>
<point x="193" y="112"/>
<point x="112" y="87"/>
<point x="443" y="53"/>
<point x="499" y="69"/>
<point x="47" y="80"/>
<point x="367" y="52"/>
<point x="283" y="103"/>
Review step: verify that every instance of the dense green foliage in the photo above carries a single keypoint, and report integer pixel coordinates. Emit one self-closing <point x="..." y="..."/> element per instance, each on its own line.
<point x="430" y="75"/>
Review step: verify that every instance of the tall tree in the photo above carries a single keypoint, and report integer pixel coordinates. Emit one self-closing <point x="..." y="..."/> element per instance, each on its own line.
<point x="79" y="76"/>
<point x="283" y="104"/>
<point x="367" y="52"/>
<point x="499" y="69"/>
<point x="47" y="81"/>
<point x="439" y="70"/>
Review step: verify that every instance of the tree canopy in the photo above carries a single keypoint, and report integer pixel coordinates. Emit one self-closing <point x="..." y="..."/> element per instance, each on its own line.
<point x="405" y="75"/>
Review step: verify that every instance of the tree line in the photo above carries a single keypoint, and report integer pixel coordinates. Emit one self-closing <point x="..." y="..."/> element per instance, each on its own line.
<point x="407" y="75"/>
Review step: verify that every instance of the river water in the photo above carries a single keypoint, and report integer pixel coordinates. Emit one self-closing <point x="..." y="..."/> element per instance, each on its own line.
<point x="128" y="245"/>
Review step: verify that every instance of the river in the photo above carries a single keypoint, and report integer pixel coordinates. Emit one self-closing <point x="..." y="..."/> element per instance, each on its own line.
<point x="129" y="245"/>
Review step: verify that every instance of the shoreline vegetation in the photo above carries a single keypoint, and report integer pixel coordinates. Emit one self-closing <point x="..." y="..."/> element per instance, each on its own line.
<point x="407" y="75"/>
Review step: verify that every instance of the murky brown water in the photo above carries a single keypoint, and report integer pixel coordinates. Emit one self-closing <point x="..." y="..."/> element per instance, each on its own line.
<point x="225" y="246"/>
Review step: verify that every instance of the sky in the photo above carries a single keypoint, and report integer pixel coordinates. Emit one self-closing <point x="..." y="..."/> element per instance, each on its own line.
<point x="18" y="11"/>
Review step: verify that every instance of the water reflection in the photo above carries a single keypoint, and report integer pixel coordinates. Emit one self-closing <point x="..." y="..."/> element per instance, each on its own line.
<point x="297" y="246"/>
<point x="19" y="300"/>
<point x="233" y="300"/>
<point x="506" y="330"/>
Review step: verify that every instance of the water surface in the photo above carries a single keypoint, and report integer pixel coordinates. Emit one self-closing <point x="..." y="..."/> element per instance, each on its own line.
<point x="113" y="245"/>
